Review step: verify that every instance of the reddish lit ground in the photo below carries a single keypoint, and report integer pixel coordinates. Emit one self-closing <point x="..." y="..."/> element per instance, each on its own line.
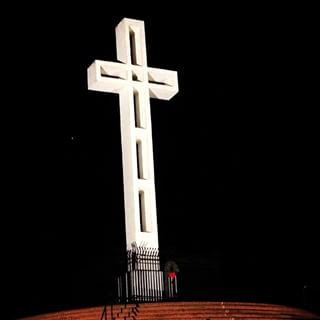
<point x="183" y="311"/>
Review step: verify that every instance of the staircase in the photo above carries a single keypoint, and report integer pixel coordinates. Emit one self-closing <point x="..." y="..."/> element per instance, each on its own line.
<point x="219" y="311"/>
<point x="183" y="311"/>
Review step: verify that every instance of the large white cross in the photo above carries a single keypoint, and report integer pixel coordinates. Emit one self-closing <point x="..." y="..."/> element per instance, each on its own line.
<point x="135" y="83"/>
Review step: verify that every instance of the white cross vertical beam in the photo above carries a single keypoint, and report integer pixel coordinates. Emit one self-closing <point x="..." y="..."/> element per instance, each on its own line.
<point x="135" y="83"/>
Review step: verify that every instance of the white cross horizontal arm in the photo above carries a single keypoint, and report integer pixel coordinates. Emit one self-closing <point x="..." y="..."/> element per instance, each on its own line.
<point x="112" y="77"/>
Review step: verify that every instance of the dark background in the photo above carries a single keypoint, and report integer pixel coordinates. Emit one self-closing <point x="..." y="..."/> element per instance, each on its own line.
<point x="236" y="159"/>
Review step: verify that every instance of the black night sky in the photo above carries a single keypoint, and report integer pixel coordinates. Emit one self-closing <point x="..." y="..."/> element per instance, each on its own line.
<point x="236" y="160"/>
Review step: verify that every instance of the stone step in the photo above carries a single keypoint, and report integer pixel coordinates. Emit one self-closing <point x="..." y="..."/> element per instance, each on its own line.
<point x="219" y="311"/>
<point x="208" y="315"/>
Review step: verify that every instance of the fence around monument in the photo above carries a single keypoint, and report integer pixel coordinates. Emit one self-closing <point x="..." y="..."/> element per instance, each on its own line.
<point x="143" y="280"/>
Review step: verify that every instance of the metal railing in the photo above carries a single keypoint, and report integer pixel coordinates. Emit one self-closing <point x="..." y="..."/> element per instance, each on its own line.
<point x="143" y="280"/>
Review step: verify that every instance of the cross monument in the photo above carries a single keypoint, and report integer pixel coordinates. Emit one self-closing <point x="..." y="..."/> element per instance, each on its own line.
<point x="135" y="83"/>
